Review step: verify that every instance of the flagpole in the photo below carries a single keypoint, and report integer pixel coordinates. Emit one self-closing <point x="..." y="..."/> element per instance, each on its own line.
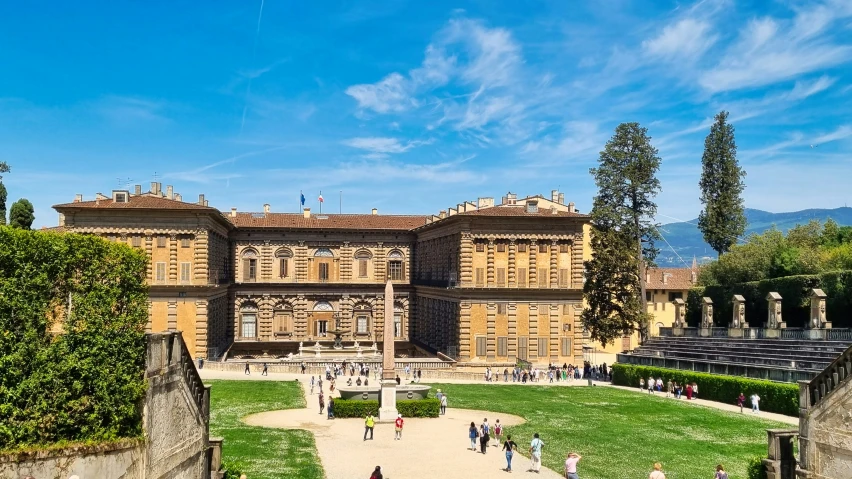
<point x="299" y="209"/>
<point x="320" y="202"/>
<point x="341" y="202"/>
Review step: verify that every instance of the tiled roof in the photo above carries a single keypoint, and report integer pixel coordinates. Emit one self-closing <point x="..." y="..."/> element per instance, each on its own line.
<point x="331" y="221"/>
<point x="679" y="279"/>
<point x="53" y="229"/>
<point x="521" y="211"/>
<point x="138" y="202"/>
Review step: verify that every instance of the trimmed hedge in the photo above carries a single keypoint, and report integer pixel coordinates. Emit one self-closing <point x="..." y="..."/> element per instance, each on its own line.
<point x="756" y="469"/>
<point x="782" y="398"/>
<point x="795" y="291"/>
<point x="408" y="408"/>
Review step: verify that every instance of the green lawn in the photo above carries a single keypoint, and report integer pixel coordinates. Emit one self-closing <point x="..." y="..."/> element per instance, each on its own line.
<point x="620" y="434"/>
<point x="264" y="453"/>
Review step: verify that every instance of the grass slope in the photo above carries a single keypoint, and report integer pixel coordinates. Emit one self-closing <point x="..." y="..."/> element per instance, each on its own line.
<point x="265" y="453"/>
<point x="619" y="433"/>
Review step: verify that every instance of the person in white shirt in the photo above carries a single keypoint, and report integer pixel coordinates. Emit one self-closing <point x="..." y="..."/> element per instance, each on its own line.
<point x="535" y="453"/>
<point x="651" y="383"/>
<point x="657" y="473"/>
<point x="755" y="403"/>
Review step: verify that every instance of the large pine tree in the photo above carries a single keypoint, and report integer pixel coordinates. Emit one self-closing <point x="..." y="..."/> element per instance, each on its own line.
<point x="723" y="219"/>
<point x="623" y="234"/>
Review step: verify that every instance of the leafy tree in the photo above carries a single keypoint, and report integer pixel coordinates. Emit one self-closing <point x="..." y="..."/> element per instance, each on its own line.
<point x="3" y="196"/>
<point x="623" y="232"/>
<point x="4" y="168"/>
<point x="22" y="214"/>
<point x="723" y="219"/>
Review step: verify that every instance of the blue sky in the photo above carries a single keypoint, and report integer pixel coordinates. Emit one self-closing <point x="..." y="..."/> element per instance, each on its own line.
<point x="411" y="107"/>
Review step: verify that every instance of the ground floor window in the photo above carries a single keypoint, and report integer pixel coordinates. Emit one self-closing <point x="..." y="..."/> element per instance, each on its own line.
<point x="321" y="328"/>
<point x="249" y="323"/>
<point x="361" y="323"/>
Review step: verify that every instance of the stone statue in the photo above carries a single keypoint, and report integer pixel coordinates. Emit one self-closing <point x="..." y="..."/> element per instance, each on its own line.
<point x="300" y="345"/>
<point x="778" y="313"/>
<point x="708" y="319"/>
<point x="822" y="313"/>
<point x="681" y="316"/>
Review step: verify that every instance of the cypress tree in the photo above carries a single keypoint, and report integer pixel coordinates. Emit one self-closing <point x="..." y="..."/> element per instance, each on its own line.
<point x="3" y="195"/>
<point x="22" y="214"/>
<point x="723" y="219"/>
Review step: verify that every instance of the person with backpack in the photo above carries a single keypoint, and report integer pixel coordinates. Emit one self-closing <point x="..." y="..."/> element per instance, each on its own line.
<point x="484" y="437"/>
<point x="265" y="371"/>
<point x="472" y="434"/>
<point x="498" y="432"/>
<point x="398" y="427"/>
<point x="509" y="446"/>
<point x="443" y="404"/>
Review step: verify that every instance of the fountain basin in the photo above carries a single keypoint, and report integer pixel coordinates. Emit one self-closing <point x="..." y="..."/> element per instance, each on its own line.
<point x="371" y="393"/>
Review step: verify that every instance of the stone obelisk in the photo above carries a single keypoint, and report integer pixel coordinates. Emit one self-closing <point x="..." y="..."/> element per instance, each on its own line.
<point x="387" y="401"/>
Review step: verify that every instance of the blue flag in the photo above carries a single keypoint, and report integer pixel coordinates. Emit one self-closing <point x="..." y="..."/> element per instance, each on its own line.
<point x="302" y="199"/>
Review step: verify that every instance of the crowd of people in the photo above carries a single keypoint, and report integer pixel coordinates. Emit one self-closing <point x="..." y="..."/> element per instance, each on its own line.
<point x="554" y="372"/>
<point x="678" y="390"/>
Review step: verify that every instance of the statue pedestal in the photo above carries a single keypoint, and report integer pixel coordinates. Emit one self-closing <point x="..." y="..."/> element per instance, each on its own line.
<point x="705" y="331"/>
<point x="772" y="333"/>
<point x="387" y="401"/>
<point x="816" y="334"/>
<point x="677" y="331"/>
<point x="735" y="332"/>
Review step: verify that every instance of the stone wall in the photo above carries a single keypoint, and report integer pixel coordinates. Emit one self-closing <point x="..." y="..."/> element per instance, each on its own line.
<point x="176" y="416"/>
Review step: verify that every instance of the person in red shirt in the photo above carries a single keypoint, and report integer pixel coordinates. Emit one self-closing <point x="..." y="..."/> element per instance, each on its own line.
<point x="398" y="423"/>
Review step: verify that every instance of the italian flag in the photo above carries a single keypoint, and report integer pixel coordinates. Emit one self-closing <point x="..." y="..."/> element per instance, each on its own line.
<point x="320" y="198"/>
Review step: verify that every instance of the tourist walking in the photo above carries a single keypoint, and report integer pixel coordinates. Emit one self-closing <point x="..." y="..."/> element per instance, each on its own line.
<point x="265" y="370"/>
<point x="571" y="465"/>
<point x="755" y="403"/>
<point x="506" y="375"/>
<point x="330" y="407"/>
<point x="695" y="390"/>
<point x="535" y="453"/>
<point x="377" y="473"/>
<point x="443" y="404"/>
<point x="472" y="434"/>
<point x="419" y="375"/>
<point x="407" y="371"/>
<point x="688" y="392"/>
<point x="669" y="388"/>
<point x="740" y="401"/>
<point x="651" y="384"/>
<point x="398" y="427"/>
<point x="321" y="401"/>
<point x="509" y="446"/>
<point x="247" y="371"/>
<point x="304" y="366"/>
<point x="498" y="432"/>
<point x="319" y="383"/>
<point x="369" y="423"/>
<point x="312" y="385"/>
<point x="657" y="473"/>
<point x="483" y="438"/>
<point x="641" y="384"/>
<point x="720" y="472"/>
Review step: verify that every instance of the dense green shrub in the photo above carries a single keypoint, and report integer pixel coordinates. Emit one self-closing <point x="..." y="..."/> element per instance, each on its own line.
<point x="232" y="469"/>
<point x="782" y="398"/>
<point x="73" y="310"/>
<point x="408" y="408"/>
<point x="795" y="291"/>
<point x="419" y="407"/>
<point x="756" y="470"/>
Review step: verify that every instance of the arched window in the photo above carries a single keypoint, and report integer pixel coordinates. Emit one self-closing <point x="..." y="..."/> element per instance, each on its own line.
<point x="324" y="253"/>
<point x="363" y="258"/>
<point x="249" y="265"/>
<point x="323" y="306"/>
<point x="323" y="270"/>
<point x="395" y="268"/>
<point x="282" y="320"/>
<point x="398" y="312"/>
<point x="248" y="321"/>
<point x="363" y="313"/>
<point x="284" y="257"/>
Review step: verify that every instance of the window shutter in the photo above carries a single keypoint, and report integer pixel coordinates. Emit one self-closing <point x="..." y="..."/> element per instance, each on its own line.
<point x="523" y="347"/>
<point x="246" y="269"/>
<point x="542" y="277"/>
<point x="563" y="277"/>
<point x="522" y="276"/>
<point x="481" y="346"/>
<point x="542" y="347"/>
<point x="566" y="346"/>
<point x="362" y="268"/>
<point x="502" y="346"/>
<point x="501" y="308"/>
<point x="480" y="273"/>
<point x="285" y="264"/>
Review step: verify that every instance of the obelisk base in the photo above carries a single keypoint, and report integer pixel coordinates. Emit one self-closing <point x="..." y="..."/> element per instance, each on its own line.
<point x="387" y="401"/>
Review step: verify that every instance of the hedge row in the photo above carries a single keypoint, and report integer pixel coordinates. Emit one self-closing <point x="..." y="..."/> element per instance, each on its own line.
<point x="408" y="408"/>
<point x="756" y="469"/>
<point x="795" y="291"/>
<point x="782" y="398"/>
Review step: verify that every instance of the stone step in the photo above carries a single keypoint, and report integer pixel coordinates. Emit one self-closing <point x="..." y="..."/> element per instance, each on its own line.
<point x="744" y="359"/>
<point x="781" y="353"/>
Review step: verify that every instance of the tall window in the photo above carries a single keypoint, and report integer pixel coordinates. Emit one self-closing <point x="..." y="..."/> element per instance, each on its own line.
<point x="501" y="247"/>
<point x="184" y="242"/>
<point x="282" y="321"/>
<point x="502" y="346"/>
<point x="321" y="325"/>
<point x="363" y="258"/>
<point x="564" y="248"/>
<point x="248" y="321"/>
<point x="283" y="255"/>
<point x="136" y="241"/>
<point x="481" y="343"/>
<point x="501" y="276"/>
<point x="563" y="277"/>
<point x="185" y="272"/>
<point x="542" y="277"/>
<point x="395" y="271"/>
<point x="522" y="276"/>
<point x="480" y="276"/>
<point x="323" y="271"/>
<point x="361" y="322"/>
<point x="250" y="265"/>
<point x="161" y="241"/>
<point x="501" y="308"/>
<point x="161" y="272"/>
<point x="362" y="313"/>
<point x="322" y="266"/>
<point x="522" y="247"/>
<point x="397" y="321"/>
<point x="480" y="247"/>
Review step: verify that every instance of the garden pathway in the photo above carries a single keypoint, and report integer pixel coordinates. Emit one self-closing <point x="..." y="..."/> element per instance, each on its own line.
<point x="429" y="447"/>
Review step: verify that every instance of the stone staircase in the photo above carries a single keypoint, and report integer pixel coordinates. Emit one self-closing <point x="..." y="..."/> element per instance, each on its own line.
<point x="788" y="360"/>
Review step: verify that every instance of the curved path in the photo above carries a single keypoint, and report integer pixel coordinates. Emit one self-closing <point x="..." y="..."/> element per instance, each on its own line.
<point x="429" y="447"/>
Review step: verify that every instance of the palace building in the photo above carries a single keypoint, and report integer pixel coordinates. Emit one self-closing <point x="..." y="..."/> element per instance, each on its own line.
<point x="480" y="282"/>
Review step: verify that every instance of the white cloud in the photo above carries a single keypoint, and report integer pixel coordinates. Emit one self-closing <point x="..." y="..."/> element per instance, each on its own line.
<point x="391" y="94"/>
<point x="685" y="39"/>
<point x="770" y="50"/>
<point x="382" y="146"/>
<point x="124" y="109"/>
<point x="842" y="132"/>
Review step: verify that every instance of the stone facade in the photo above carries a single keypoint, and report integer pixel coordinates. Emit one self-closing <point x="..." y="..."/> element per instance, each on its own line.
<point x="484" y="283"/>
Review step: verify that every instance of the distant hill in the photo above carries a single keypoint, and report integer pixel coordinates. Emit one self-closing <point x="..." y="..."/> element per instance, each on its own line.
<point x="687" y="241"/>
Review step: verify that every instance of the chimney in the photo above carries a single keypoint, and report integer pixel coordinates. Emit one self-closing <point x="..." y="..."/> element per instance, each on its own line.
<point x="78" y="198"/>
<point x="665" y="278"/>
<point x="571" y="207"/>
<point x="206" y="203"/>
<point x="266" y="209"/>
<point x="486" y="202"/>
<point x="178" y="197"/>
<point x="101" y="196"/>
<point x="554" y="196"/>
<point x="137" y="190"/>
<point x="694" y="277"/>
<point x="233" y="212"/>
<point x="442" y="214"/>
<point x="561" y="198"/>
<point x="170" y="192"/>
<point x="154" y="187"/>
<point x="201" y="200"/>
<point x="375" y="211"/>
<point x="307" y="212"/>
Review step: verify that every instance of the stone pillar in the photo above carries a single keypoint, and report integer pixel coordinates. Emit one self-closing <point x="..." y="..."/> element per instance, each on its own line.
<point x="464" y="331"/>
<point x="200" y="259"/>
<point x="781" y="461"/>
<point x="150" y="323"/>
<point x="774" y="321"/>
<point x="300" y="262"/>
<point x="554" y="264"/>
<point x="818" y="317"/>
<point x="706" y="317"/>
<point x="489" y="264"/>
<point x="491" y="332"/>
<point x="680" y="317"/>
<point x="466" y="260"/>
<point x="300" y="317"/>
<point x="379" y="261"/>
<point x="173" y="261"/>
<point x="512" y="317"/>
<point x="738" y="324"/>
<point x="533" y="270"/>
<point x="554" y="332"/>
<point x="346" y="262"/>
<point x="172" y="323"/>
<point x="577" y="267"/>
<point x="511" y="273"/>
<point x="149" y="252"/>
<point x="265" y="261"/>
<point x="201" y="328"/>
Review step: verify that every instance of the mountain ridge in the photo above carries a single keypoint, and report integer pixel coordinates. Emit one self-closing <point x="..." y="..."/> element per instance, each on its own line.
<point x="686" y="239"/>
